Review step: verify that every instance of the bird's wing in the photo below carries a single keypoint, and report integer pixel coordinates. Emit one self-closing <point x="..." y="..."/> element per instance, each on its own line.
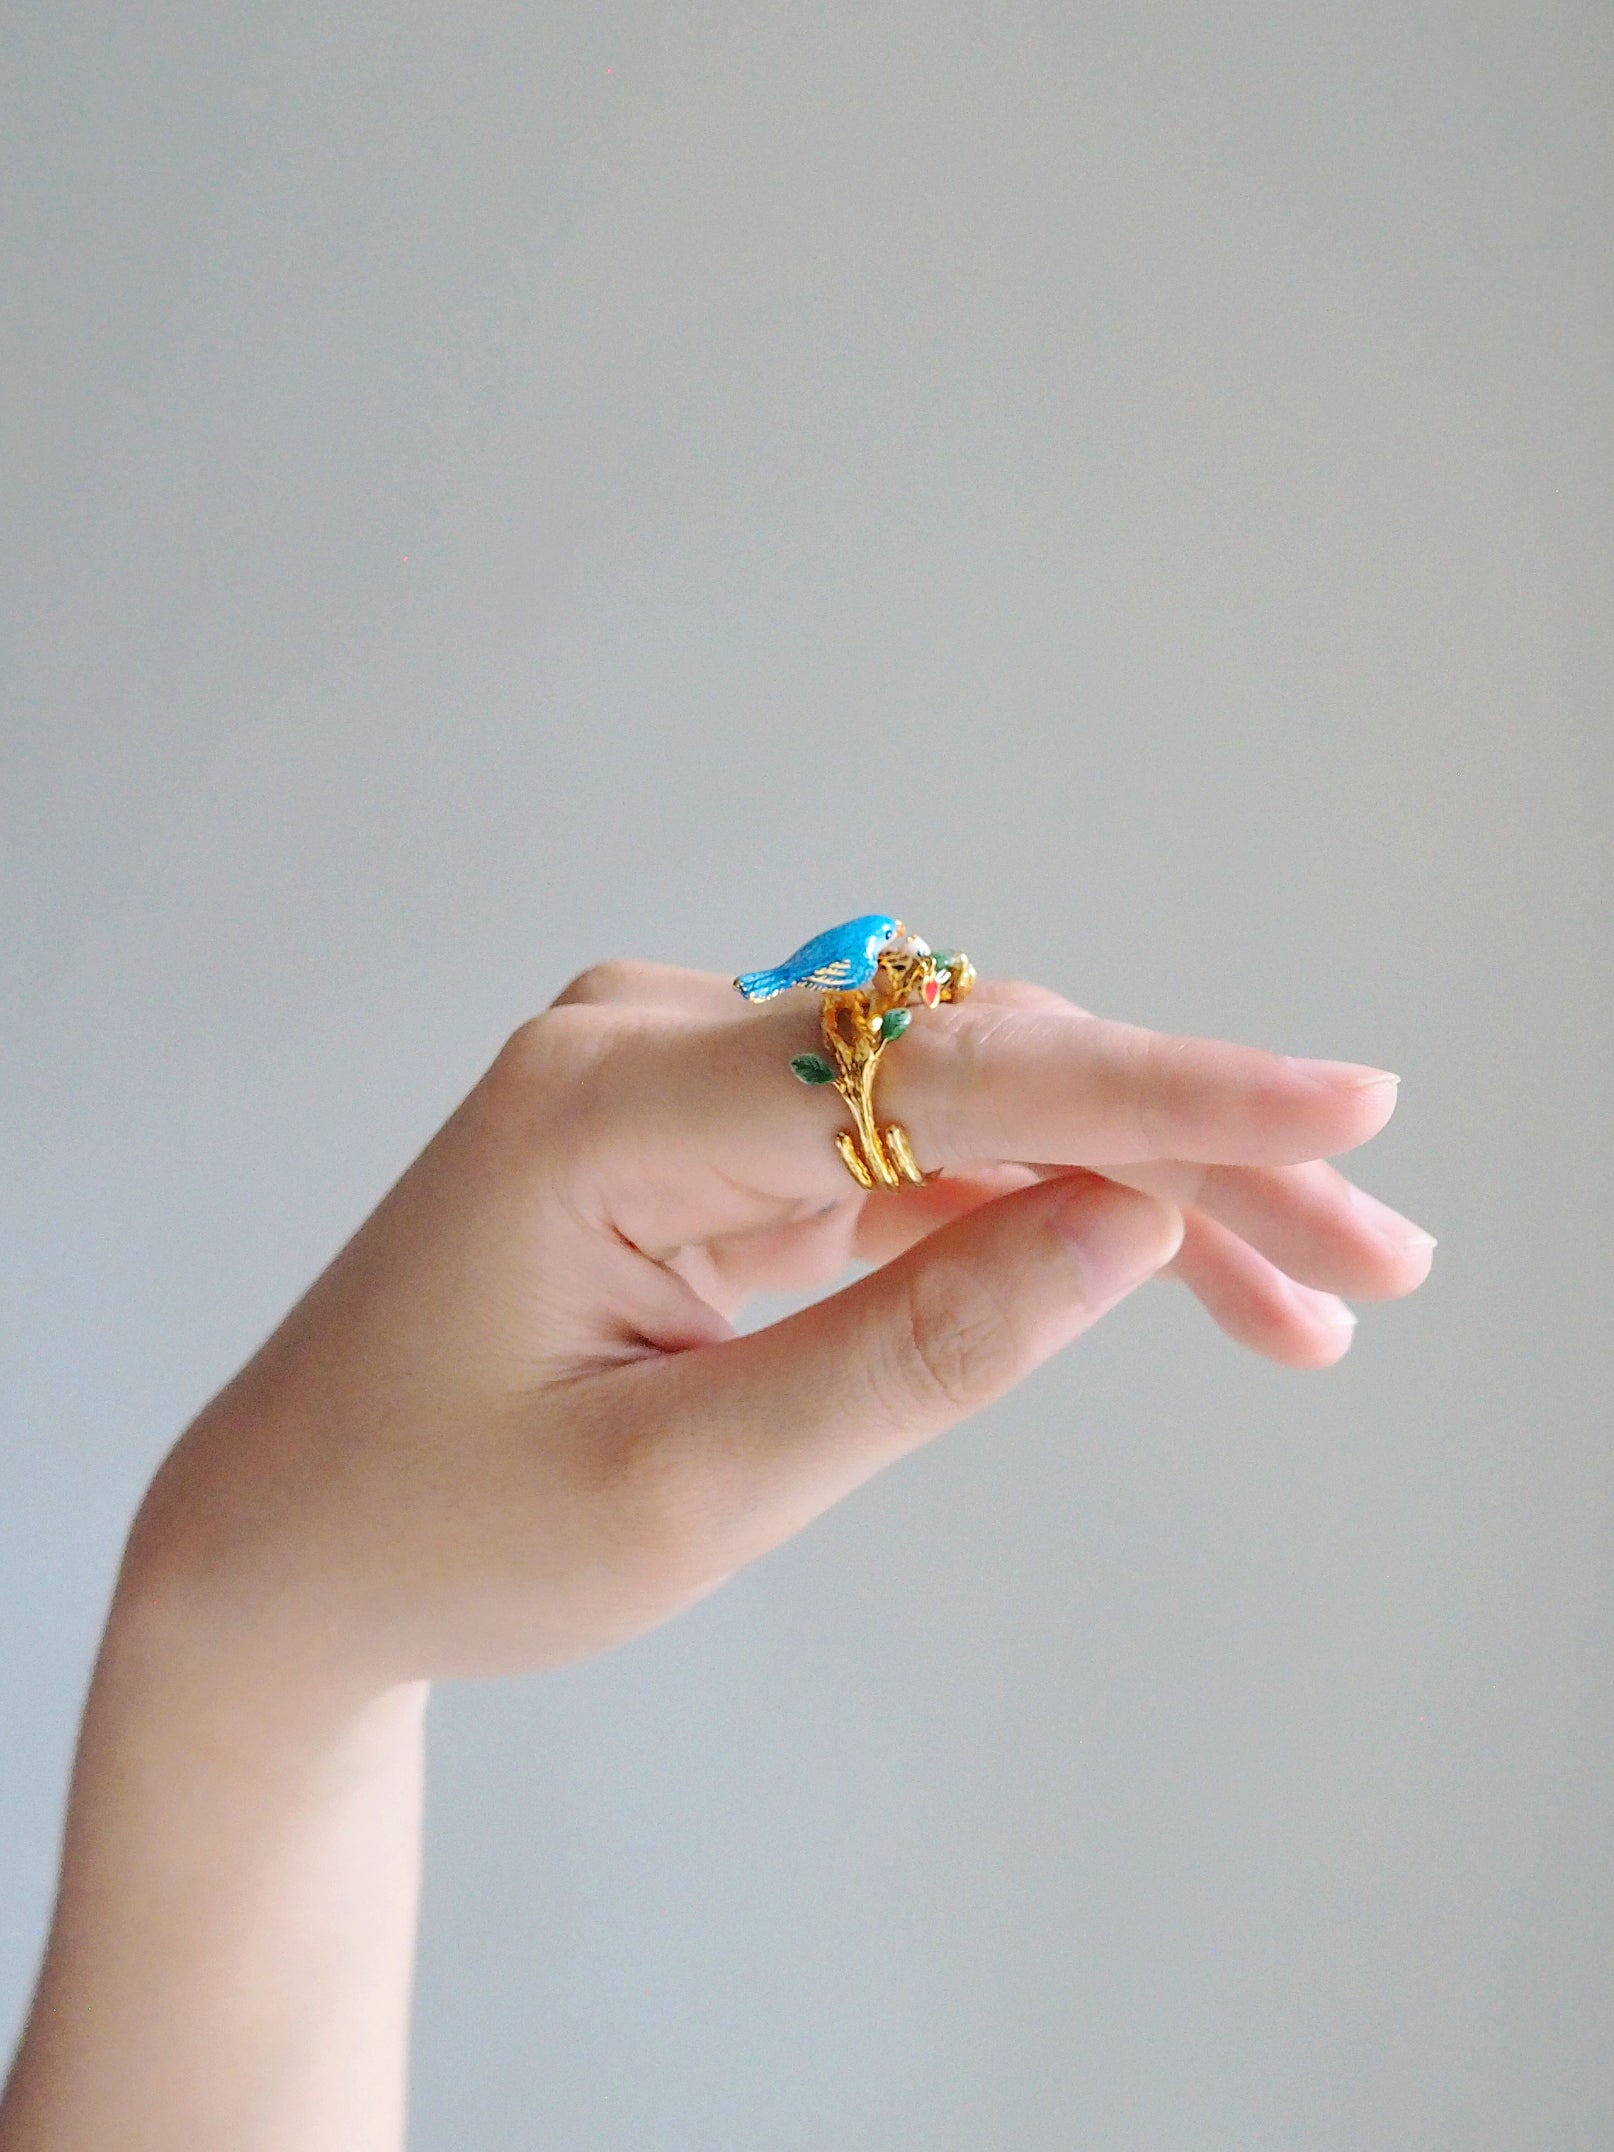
<point x="837" y="973"/>
<point x="840" y="956"/>
<point x="841" y="950"/>
<point x="823" y="951"/>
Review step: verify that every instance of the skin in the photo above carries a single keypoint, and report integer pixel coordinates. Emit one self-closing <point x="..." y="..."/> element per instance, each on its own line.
<point x="511" y="1424"/>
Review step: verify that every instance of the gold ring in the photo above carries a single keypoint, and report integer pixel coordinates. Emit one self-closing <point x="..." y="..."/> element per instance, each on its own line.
<point x="873" y="975"/>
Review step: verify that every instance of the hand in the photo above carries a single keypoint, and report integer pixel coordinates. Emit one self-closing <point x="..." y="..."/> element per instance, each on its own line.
<point x="512" y="1423"/>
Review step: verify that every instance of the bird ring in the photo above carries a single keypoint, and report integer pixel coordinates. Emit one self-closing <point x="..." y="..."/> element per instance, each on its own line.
<point x="872" y="975"/>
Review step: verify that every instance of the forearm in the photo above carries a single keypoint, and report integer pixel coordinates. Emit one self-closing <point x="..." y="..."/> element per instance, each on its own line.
<point x="231" y="1958"/>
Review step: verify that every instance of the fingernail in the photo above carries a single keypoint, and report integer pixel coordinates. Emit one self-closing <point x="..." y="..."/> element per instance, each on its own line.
<point x="1339" y="1317"/>
<point x="1344" y="1075"/>
<point x="1389" y="1224"/>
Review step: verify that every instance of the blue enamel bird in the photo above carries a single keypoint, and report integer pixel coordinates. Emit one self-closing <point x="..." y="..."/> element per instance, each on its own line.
<point x="837" y="960"/>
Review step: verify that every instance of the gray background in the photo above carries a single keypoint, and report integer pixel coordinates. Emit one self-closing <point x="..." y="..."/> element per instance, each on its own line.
<point x="1127" y="487"/>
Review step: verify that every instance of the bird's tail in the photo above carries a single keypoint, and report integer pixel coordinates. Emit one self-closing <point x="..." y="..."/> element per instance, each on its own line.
<point x="763" y="985"/>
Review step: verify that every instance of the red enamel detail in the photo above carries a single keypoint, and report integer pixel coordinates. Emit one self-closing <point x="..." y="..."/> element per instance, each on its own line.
<point x="932" y="992"/>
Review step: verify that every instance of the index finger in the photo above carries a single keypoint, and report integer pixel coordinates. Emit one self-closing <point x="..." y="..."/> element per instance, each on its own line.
<point x="994" y="1081"/>
<point x="998" y="1081"/>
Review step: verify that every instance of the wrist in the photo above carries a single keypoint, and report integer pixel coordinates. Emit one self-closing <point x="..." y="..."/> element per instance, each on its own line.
<point x="227" y="1649"/>
<point x="198" y="1701"/>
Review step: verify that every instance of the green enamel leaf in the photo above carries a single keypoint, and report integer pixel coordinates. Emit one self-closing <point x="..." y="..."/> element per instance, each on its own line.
<point x="812" y="1068"/>
<point x="895" y="1022"/>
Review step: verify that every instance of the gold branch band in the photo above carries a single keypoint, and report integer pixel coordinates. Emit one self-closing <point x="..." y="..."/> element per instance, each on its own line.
<point x="858" y="1024"/>
<point x="874" y="976"/>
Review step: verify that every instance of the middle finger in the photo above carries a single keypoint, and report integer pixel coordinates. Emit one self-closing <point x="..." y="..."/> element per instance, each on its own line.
<point x="1314" y="1224"/>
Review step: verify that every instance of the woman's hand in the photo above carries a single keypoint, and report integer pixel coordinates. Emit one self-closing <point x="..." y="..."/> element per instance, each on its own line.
<point x="512" y="1423"/>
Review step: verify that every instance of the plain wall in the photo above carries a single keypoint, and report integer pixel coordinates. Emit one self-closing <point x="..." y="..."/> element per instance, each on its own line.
<point x="1126" y="487"/>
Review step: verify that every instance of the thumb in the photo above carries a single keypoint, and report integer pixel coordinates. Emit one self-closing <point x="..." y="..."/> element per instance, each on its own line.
<point x="771" y="1429"/>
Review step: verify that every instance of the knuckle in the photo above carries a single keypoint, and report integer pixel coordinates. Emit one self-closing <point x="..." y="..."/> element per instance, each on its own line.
<point x="964" y="1099"/>
<point x="552" y="1045"/>
<point x="616" y="979"/>
<point x="543" y="1069"/>
<point x="1158" y="1088"/>
<point x="957" y="1341"/>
